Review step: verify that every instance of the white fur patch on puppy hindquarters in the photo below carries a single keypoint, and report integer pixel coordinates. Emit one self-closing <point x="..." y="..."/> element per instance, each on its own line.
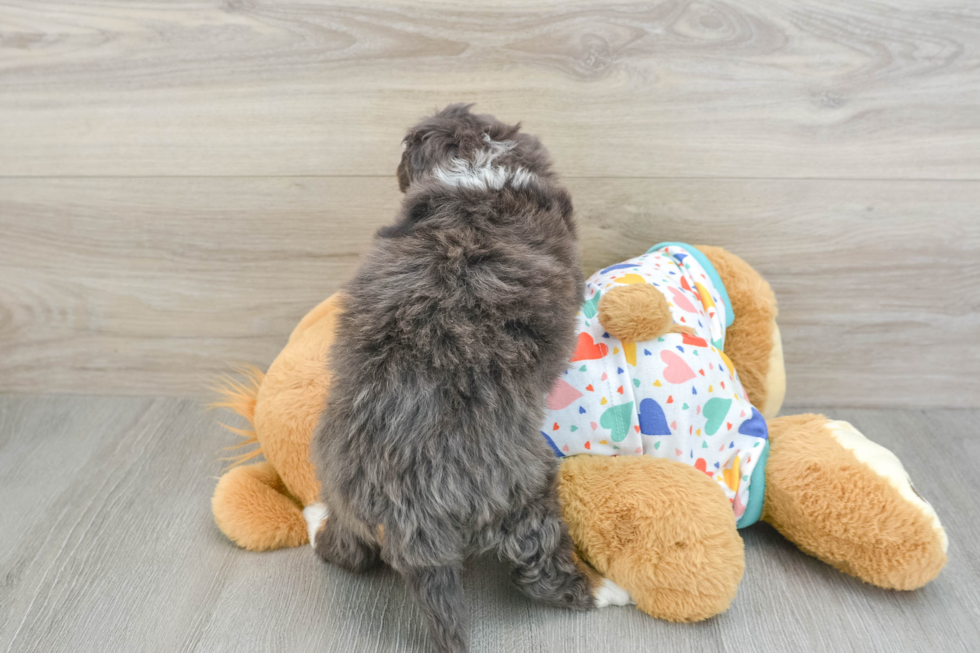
<point x="316" y="515"/>
<point x="609" y="593"/>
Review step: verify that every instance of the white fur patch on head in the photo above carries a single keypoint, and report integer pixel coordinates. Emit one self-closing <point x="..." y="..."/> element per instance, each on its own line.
<point x="480" y="173"/>
<point x="521" y="177"/>
<point x="885" y="464"/>
<point x="609" y="593"/>
<point x="315" y="514"/>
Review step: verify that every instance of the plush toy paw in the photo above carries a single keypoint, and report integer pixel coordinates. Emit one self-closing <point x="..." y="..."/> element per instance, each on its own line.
<point x="609" y="593"/>
<point x="849" y="502"/>
<point x="657" y="528"/>
<point x="253" y="508"/>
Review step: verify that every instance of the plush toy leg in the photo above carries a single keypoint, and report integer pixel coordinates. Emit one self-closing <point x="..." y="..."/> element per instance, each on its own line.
<point x="848" y="501"/>
<point x="658" y="528"/>
<point x="251" y="506"/>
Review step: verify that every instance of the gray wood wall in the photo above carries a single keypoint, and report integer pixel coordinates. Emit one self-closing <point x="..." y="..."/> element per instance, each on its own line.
<point x="179" y="183"/>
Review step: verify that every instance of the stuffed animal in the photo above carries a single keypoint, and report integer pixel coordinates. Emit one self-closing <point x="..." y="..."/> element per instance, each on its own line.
<point x="665" y="425"/>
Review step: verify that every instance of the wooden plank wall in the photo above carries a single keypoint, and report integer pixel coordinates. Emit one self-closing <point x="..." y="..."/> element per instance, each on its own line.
<point x="179" y="182"/>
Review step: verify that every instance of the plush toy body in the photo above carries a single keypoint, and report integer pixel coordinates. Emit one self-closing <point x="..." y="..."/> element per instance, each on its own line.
<point x="662" y="528"/>
<point x="670" y="392"/>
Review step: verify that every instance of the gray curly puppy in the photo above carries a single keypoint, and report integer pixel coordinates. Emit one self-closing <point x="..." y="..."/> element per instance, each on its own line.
<point x="453" y="331"/>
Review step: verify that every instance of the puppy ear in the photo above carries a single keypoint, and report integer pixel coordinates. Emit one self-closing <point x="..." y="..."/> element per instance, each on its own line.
<point x="404" y="176"/>
<point x="418" y="211"/>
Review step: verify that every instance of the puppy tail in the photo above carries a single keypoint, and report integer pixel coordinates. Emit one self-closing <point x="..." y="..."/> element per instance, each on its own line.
<point x="239" y="396"/>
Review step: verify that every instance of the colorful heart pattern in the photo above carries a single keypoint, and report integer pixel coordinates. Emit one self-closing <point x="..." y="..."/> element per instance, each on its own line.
<point x="677" y="371"/>
<point x="715" y="410"/>
<point x="622" y="398"/>
<point x="653" y="421"/>
<point x="755" y="426"/>
<point x="588" y="349"/>
<point x="617" y="419"/>
<point x="562" y="394"/>
<point x="591" y="307"/>
<point x="694" y="341"/>
<point x="630" y="279"/>
<point x="680" y="299"/>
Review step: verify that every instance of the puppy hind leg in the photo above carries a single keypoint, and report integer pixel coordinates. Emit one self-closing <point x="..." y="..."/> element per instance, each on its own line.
<point x="539" y="546"/>
<point x="337" y="544"/>
<point x="439" y="592"/>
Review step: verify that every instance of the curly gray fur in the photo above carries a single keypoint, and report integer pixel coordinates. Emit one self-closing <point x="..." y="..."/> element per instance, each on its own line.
<point x="453" y="331"/>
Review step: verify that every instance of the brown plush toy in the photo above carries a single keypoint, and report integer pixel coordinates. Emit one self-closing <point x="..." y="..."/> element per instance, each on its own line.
<point x="661" y="527"/>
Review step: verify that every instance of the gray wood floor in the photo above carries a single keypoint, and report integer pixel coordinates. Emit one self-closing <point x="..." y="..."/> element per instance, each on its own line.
<point x="107" y="544"/>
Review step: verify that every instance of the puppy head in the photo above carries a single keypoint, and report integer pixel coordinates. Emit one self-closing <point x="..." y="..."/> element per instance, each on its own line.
<point x="457" y="134"/>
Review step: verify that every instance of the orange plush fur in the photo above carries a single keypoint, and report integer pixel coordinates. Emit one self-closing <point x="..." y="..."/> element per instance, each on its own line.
<point x="749" y="340"/>
<point x="639" y="312"/>
<point x="259" y="507"/>
<point x="658" y="528"/>
<point x="834" y="507"/>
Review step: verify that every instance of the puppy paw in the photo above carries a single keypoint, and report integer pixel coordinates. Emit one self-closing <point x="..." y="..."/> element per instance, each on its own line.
<point x="609" y="593"/>
<point x="316" y="515"/>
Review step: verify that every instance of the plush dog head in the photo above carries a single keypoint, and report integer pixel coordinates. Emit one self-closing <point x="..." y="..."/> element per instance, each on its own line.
<point x="469" y="149"/>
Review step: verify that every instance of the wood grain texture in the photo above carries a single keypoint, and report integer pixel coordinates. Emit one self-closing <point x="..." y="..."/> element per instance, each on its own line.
<point x="108" y="545"/>
<point x="755" y="88"/>
<point x="156" y="285"/>
<point x="180" y="182"/>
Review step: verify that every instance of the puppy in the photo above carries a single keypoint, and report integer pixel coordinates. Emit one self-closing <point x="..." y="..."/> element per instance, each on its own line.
<point x="453" y="331"/>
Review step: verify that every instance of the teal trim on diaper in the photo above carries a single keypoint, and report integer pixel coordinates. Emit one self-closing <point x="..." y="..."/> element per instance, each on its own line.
<point x="710" y="269"/>
<point x="757" y="491"/>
